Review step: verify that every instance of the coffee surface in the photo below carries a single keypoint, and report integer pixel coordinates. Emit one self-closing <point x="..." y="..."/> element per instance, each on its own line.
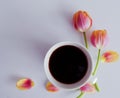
<point x="68" y="64"/>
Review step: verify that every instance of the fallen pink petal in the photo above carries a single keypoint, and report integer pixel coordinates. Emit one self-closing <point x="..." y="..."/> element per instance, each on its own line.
<point x="51" y="88"/>
<point x="110" y="56"/>
<point x="24" y="84"/>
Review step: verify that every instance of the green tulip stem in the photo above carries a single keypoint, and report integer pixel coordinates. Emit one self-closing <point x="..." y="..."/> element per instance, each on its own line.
<point x="81" y="95"/>
<point x="85" y="39"/>
<point x="97" y="63"/>
<point x="97" y="87"/>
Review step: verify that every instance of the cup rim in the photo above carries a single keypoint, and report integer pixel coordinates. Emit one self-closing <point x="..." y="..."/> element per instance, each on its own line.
<point x="62" y="85"/>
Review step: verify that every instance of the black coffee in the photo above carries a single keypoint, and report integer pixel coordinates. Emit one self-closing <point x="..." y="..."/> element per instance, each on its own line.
<point x="68" y="64"/>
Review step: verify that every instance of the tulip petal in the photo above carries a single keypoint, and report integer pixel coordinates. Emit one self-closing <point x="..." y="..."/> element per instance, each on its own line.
<point x="110" y="56"/>
<point x="24" y="84"/>
<point x="99" y="38"/>
<point x="51" y="88"/>
<point x="88" y="88"/>
<point x="82" y="21"/>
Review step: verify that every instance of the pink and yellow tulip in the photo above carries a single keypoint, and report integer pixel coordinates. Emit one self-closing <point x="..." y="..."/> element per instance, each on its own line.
<point x="87" y="88"/>
<point x="82" y="22"/>
<point x="51" y="88"/>
<point x="110" y="56"/>
<point x="99" y="39"/>
<point x="24" y="84"/>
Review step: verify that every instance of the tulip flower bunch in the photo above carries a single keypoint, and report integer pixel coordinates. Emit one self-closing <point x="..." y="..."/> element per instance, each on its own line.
<point x="99" y="39"/>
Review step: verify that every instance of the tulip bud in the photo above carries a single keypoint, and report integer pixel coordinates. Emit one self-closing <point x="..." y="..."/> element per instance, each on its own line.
<point x="88" y="88"/>
<point x="82" y="21"/>
<point x="99" y="38"/>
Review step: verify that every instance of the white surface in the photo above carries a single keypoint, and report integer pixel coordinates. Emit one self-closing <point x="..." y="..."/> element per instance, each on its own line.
<point x="28" y="28"/>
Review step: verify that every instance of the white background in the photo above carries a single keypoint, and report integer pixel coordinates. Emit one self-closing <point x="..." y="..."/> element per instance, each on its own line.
<point x="28" y="28"/>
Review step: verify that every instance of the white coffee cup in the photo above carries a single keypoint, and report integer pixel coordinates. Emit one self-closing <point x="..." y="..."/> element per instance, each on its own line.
<point x="75" y="85"/>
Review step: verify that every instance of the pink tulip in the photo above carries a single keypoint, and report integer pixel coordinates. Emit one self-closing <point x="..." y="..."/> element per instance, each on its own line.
<point x="51" y="88"/>
<point x="99" y="39"/>
<point x="110" y="56"/>
<point x="88" y="88"/>
<point x="24" y="84"/>
<point x="82" y="22"/>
